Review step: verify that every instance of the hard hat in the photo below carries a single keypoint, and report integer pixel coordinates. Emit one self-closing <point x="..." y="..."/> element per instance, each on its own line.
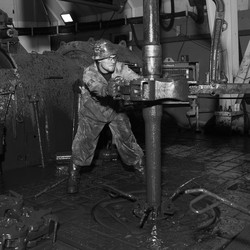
<point x="103" y="49"/>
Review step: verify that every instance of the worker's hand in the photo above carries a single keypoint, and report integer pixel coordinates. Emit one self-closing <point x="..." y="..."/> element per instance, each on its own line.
<point x="77" y="85"/>
<point x="114" y="85"/>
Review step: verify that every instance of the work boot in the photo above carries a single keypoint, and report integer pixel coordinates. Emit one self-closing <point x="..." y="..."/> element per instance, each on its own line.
<point x="74" y="179"/>
<point x="140" y="170"/>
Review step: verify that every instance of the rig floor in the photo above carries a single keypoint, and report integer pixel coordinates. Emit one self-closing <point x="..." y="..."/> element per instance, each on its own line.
<point x="97" y="219"/>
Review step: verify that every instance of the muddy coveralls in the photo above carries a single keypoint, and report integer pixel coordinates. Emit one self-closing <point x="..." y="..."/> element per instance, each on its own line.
<point x="97" y="110"/>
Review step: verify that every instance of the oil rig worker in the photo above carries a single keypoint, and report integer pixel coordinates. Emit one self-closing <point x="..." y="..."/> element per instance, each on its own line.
<point x="99" y="108"/>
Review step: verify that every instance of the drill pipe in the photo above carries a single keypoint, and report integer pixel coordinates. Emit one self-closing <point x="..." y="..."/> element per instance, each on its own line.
<point x="152" y="115"/>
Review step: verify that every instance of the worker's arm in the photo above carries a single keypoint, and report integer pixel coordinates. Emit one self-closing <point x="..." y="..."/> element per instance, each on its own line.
<point x="98" y="88"/>
<point x="94" y="82"/>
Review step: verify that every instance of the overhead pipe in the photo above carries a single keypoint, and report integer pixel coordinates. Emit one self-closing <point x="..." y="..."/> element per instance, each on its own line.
<point x="152" y="60"/>
<point x="214" y="55"/>
<point x="172" y="17"/>
<point x="115" y="7"/>
<point x="199" y="17"/>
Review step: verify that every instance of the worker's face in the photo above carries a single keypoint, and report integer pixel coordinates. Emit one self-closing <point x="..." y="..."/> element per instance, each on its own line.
<point x="107" y="65"/>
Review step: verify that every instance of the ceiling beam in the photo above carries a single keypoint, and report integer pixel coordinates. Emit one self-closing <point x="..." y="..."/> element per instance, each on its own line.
<point x="113" y="7"/>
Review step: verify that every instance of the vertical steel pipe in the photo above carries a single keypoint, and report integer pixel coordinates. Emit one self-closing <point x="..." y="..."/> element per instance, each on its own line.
<point x="214" y="54"/>
<point x="152" y="60"/>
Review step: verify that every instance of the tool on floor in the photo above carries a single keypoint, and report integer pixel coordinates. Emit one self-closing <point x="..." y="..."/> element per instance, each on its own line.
<point x="206" y="193"/>
<point x="180" y="189"/>
<point x="34" y="100"/>
<point x="115" y="193"/>
<point x="50" y="187"/>
<point x="23" y="227"/>
<point x="145" y="216"/>
<point x="141" y="209"/>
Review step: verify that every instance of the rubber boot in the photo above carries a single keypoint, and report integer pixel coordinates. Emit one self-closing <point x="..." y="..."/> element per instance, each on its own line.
<point x="74" y="179"/>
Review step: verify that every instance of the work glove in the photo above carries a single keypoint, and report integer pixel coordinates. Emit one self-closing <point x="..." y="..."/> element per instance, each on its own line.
<point x="77" y="85"/>
<point x="114" y="86"/>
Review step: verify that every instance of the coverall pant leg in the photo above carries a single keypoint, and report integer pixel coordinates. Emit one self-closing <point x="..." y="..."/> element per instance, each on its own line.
<point x="85" y="141"/>
<point x="127" y="146"/>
